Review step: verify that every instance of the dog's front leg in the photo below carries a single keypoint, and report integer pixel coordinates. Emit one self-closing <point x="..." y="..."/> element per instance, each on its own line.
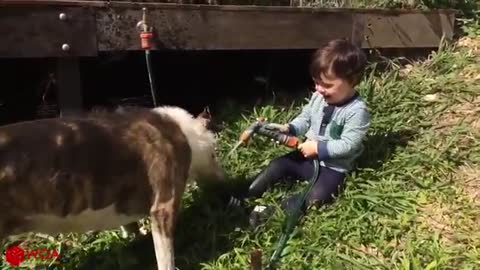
<point x="162" y="221"/>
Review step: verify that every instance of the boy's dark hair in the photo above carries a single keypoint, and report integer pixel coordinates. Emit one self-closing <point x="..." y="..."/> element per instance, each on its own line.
<point x="346" y="61"/>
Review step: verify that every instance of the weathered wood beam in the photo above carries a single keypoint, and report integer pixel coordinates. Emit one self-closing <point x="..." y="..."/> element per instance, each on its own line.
<point x="221" y="29"/>
<point x="93" y="26"/>
<point x="240" y="27"/>
<point x="407" y="30"/>
<point x="47" y="31"/>
<point x="157" y="4"/>
<point x="72" y="3"/>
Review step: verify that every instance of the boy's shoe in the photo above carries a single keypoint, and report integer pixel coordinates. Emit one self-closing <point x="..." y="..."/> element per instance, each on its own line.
<point x="260" y="215"/>
<point x="257" y="216"/>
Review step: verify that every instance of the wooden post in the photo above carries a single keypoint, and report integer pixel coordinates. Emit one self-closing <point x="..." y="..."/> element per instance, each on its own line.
<point x="256" y="260"/>
<point x="70" y="98"/>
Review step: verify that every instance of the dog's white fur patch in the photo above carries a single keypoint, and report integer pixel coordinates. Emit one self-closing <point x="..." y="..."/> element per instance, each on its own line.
<point x="87" y="220"/>
<point x="201" y="141"/>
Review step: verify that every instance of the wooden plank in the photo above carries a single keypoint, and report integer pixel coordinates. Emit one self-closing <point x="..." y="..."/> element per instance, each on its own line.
<point x="111" y="25"/>
<point x="220" y="29"/>
<point x="163" y="5"/>
<point x="407" y="30"/>
<point x="53" y="3"/>
<point x="44" y="32"/>
<point x="180" y="2"/>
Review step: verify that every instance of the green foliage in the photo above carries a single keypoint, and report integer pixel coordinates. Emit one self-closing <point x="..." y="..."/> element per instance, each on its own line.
<point x="471" y="26"/>
<point x="373" y="225"/>
<point x="464" y="6"/>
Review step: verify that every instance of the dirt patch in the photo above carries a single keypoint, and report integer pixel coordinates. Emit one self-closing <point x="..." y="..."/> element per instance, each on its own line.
<point x="471" y="43"/>
<point x="468" y="113"/>
<point x="451" y="221"/>
<point x="471" y="73"/>
<point x="455" y="219"/>
<point x="469" y="180"/>
<point x="467" y="176"/>
<point x="438" y="218"/>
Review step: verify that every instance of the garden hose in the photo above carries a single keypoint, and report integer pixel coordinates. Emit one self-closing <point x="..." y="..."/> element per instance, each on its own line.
<point x="151" y="79"/>
<point x="291" y="220"/>
<point x="262" y="127"/>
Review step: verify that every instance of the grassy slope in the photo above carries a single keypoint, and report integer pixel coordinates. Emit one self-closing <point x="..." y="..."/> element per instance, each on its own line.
<point x="410" y="205"/>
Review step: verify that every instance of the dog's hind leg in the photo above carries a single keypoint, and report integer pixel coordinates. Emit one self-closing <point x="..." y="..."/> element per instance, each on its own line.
<point x="163" y="214"/>
<point x="163" y="217"/>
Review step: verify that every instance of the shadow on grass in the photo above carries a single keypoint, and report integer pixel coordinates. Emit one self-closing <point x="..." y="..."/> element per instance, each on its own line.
<point x="207" y="227"/>
<point x="203" y="232"/>
<point x="380" y="147"/>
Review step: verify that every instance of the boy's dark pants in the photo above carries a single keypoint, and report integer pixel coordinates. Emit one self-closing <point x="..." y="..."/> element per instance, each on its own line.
<point x="295" y="166"/>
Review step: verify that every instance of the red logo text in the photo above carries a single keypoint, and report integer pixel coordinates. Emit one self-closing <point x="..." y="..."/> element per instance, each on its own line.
<point x="16" y="255"/>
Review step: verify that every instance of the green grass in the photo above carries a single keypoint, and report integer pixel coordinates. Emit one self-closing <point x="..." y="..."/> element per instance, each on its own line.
<point x="417" y="4"/>
<point x="405" y="207"/>
<point x="377" y="222"/>
<point x="465" y="6"/>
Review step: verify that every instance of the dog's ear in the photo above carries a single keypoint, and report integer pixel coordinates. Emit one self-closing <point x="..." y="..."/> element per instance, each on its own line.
<point x="205" y="117"/>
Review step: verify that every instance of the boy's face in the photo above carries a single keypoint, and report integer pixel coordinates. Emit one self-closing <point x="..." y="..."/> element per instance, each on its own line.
<point x="332" y="88"/>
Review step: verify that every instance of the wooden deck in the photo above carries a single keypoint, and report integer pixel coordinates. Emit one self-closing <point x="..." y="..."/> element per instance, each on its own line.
<point x="69" y="30"/>
<point x="35" y="28"/>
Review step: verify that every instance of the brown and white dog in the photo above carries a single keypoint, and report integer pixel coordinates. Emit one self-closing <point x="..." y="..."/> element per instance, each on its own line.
<point x="103" y="170"/>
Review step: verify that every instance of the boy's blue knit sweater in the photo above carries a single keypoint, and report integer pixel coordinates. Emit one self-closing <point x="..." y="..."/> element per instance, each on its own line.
<point x="342" y="142"/>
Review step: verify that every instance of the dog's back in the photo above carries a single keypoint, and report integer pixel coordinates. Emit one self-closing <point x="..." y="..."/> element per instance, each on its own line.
<point x="94" y="169"/>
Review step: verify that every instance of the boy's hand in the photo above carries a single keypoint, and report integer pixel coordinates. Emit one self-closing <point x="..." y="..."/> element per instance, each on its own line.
<point x="308" y="148"/>
<point x="284" y="128"/>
